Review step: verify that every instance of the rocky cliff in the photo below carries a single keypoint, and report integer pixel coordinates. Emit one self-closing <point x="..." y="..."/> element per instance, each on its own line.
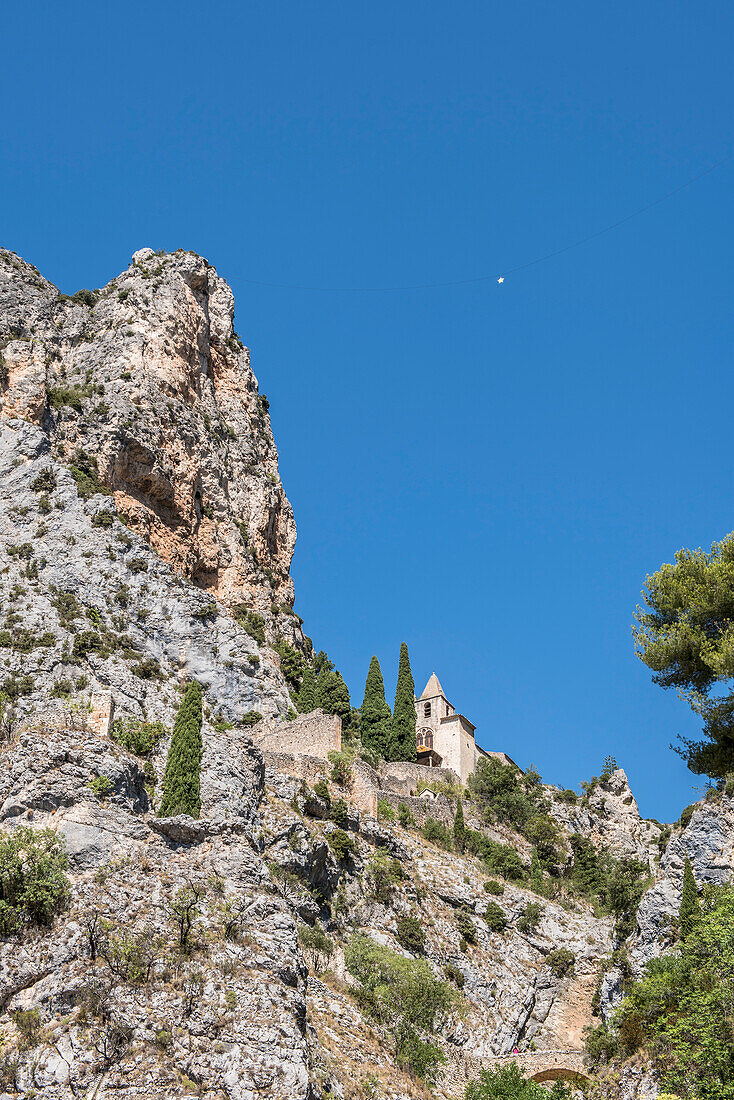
<point x="145" y="541"/>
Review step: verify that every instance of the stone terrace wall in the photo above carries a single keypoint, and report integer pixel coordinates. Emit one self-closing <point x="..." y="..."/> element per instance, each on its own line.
<point x="296" y="765"/>
<point x="315" y="734"/>
<point x="402" y="777"/>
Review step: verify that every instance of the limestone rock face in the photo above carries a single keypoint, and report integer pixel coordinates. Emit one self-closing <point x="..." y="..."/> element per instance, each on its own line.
<point x="708" y="841"/>
<point x="611" y="818"/>
<point x="148" y="378"/>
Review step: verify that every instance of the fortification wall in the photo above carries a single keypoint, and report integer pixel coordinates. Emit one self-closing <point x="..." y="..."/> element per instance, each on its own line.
<point x="296" y="765"/>
<point x="315" y="734"/>
<point x="402" y="777"/>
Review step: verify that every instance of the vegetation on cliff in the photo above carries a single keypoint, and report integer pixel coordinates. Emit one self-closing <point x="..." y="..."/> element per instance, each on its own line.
<point x="679" y="1014"/>
<point x="181" y="779"/>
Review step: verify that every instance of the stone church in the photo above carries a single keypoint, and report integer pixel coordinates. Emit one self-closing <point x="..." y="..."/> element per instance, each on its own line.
<point x="445" y="739"/>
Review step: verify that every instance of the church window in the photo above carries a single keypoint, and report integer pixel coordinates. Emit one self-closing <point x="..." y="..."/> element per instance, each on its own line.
<point x="426" y="710"/>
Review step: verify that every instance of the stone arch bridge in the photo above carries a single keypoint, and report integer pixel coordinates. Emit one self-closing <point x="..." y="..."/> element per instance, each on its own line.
<point x="536" y="1065"/>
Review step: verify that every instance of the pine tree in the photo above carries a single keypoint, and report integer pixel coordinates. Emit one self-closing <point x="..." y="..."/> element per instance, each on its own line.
<point x="374" y="721"/>
<point x="689" y="913"/>
<point x="181" y="780"/>
<point x="459" y="827"/>
<point x="332" y="694"/>
<point x="401" y="744"/>
<point x="307" y="694"/>
<point x="536" y="873"/>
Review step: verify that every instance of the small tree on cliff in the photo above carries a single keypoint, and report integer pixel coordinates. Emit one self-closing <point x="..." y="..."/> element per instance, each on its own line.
<point x="459" y="826"/>
<point x="307" y="694"/>
<point x="374" y="721"/>
<point x="181" y="779"/>
<point x="401" y="744"/>
<point x="689" y="913"/>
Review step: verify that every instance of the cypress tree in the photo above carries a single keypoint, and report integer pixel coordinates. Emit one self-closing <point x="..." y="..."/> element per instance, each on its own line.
<point x="181" y="779"/>
<point x="307" y="694"/>
<point x="401" y="744"/>
<point x="332" y="694"/>
<point x="536" y="873"/>
<point x="374" y="722"/>
<point x="459" y="827"/>
<point x="689" y="913"/>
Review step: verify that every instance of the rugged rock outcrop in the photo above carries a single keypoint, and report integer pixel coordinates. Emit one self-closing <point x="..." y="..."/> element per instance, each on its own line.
<point x="147" y="380"/>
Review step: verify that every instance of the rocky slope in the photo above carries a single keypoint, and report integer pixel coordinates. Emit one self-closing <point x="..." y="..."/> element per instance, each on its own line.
<point x="144" y="526"/>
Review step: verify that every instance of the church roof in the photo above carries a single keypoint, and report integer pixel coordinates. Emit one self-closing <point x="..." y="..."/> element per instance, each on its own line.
<point x="432" y="688"/>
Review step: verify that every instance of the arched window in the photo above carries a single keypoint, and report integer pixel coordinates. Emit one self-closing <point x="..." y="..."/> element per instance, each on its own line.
<point x="424" y="739"/>
<point x="426" y="710"/>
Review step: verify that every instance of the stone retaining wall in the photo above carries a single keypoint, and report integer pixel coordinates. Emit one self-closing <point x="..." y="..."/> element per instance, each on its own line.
<point x="315" y="734"/>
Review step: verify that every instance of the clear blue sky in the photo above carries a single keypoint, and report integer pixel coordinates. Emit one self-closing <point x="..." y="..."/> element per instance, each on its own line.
<point x="485" y="471"/>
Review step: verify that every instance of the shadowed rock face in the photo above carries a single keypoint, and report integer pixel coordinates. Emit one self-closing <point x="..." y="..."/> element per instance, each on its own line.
<point x="148" y="378"/>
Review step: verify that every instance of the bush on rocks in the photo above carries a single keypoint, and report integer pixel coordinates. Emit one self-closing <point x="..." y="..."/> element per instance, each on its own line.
<point x="33" y="883"/>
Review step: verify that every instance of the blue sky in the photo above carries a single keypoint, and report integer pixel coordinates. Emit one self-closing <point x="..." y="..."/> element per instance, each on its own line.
<point x="487" y="472"/>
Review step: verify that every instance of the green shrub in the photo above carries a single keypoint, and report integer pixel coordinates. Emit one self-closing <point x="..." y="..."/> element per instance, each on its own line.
<point x="181" y="780"/>
<point x="454" y="975"/>
<point x="409" y="934"/>
<point x="33" y="883"/>
<point x="560" y="960"/>
<point x="339" y="813"/>
<point x="499" y="859"/>
<point x="465" y="925"/>
<point x="492" y="886"/>
<point x="85" y="472"/>
<point x="530" y="919"/>
<point x="602" y="1044"/>
<point x="405" y="816"/>
<point x="251" y="718"/>
<point x="342" y="844"/>
<point x="45" y="482"/>
<point x="383" y="873"/>
<point x="29" y="1025"/>
<point x="438" y="833"/>
<point x="137" y="736"/>
<point x="419" y="1056"/>
<point x="252" y="623"/>
<point x="686" y="815"/>
<point x="567" y="796"/>
<point x="385" y="812"/>
<point x="86" y="297"/>
<point x="313" y="938"/>
<point x="495" y="917"/>
<point x="321" y="790"/>
<point x="341" y="767"/>
<point x="403" y="995"/>
<point x="103" y="519"/>
<point x="101" y="785"/>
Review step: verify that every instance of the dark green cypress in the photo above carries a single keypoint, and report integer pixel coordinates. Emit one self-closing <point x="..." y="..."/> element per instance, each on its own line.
<point x="332" y="694"/>
<point x="689" y="913"/>
<point x="459" y="827"/>
<point x="536" y="873"/>
<point x="401" y="744"/>
<point x="374" y="721"/>
<point x="181" y="780"/>
<point x="307" y="694"/>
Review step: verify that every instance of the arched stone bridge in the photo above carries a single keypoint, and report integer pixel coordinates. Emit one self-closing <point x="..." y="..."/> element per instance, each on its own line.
<point x="536" y="1065"/>
<point x="545" y="1065"/>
